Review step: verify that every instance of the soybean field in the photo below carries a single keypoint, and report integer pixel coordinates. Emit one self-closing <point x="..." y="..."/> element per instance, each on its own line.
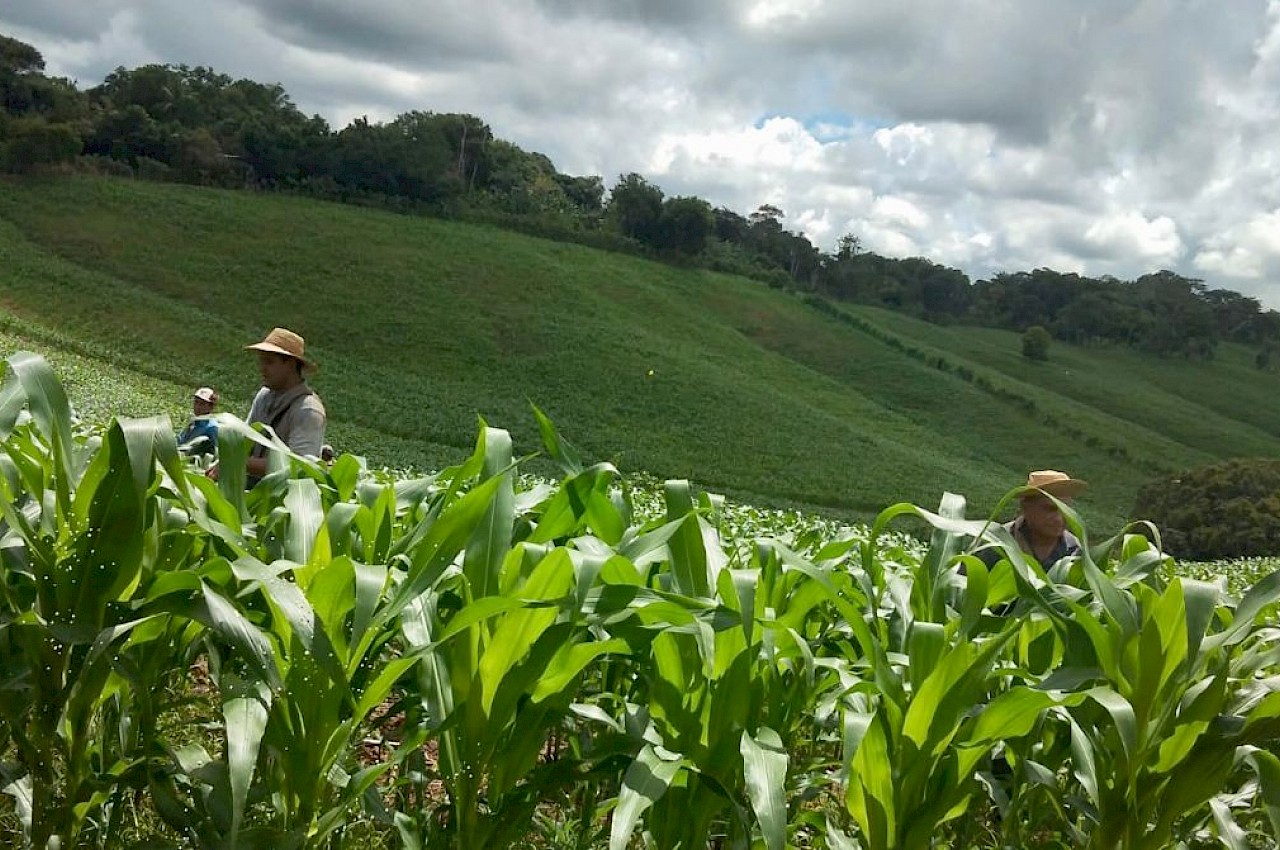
<point x="421" y="326"/>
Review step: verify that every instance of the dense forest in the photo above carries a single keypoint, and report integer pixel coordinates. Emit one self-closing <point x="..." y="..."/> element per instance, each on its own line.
<point x="166" y="122"/>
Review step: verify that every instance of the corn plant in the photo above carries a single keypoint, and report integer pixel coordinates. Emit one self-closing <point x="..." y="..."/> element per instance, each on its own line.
<point x="724" y="696"/>
<point x="293" y="720"/>
<point x="1177" y="685"/>
<point x="506" y="636"/>
<point x="537" y="658"/>
<point x="90" y="637"/>
<point x="930" y="699"/>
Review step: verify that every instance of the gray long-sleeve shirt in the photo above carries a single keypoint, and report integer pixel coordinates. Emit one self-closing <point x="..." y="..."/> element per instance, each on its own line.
<point x="296" y="414"/>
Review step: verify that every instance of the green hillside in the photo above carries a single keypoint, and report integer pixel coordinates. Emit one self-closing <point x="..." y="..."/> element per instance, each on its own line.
<point x="145" y="290"/>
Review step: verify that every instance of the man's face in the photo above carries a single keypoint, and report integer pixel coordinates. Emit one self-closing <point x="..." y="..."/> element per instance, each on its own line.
<point x="1042" y="518"/>
<point x="200" y="407"/>
<point x="278" y="370"/>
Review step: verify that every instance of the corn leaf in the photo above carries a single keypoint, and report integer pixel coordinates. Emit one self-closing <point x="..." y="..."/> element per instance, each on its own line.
<point x="764" y="762"/>
<point x="645" y="781"/>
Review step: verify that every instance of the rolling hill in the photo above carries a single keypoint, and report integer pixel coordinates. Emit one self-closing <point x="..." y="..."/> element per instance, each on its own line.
<point x="140" y="291"/>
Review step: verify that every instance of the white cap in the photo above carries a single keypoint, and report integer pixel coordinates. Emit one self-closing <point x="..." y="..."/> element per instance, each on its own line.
<point x="208" y="394"/>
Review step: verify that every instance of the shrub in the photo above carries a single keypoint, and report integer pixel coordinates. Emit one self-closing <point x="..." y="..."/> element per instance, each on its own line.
<point x="34" y="143"/>
<point x="103" y="165"/>
<point x="1227" y="510"/>
<point x="154" y="169"/>
<point x="1035" y="343"/>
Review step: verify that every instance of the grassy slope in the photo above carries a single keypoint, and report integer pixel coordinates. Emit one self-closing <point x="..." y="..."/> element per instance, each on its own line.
<point x="419" y="325"/>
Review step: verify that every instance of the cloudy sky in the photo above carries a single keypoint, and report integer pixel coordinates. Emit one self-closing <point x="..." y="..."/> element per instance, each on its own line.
<point x="1101" y="136"/>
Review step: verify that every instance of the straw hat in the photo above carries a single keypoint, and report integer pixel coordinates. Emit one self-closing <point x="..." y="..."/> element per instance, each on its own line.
<point x="208" y="394"/>
<point x="286" y="342"/>
<point x="1055" y="483"/>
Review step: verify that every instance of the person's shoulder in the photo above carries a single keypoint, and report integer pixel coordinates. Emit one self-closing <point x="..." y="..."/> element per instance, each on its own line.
<point x="312" y="402"/>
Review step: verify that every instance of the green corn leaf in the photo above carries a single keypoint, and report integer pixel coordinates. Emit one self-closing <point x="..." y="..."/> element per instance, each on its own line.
<point x="944" y="544"/>
<point x="227" y="620"/>
<point x="645" y="781"/>
<point x="300" y="619"/>
<point x="370" y="584"/>
<point x="477" y="612"/>
<point x="1201" y="601"/>
<point x="518" y="630"/>
<point x="765" y="762"/>
<point x="306" y="518"/>
<point x="331" y="594"/>
<point x="1267" y="767"/>
<point x="578" y="501"/>
<point x="1010" y="715"/>
<point x="870" y="795"/>
<point x="340" y="519"/>
<point x="975" y="595"/>
<point x="1263" y="593"/>
<point x="647" y="548"/>
<point x="1084" y="762"/>
<point x="442" y="539"/>
<point x="345" y="475"/>
<point x="1169" y="616"/>
<point x="558" y="449"/>
<point x="927" y="643"/>
<point x="744" y="584"/>
<point x="1122" y="715"/>
<point x="569" y="661"/>
<point x="947" y="693"/>
<point x="376" y="691"/>
<point x="1104" y="646"/>
<point x="689" y="566"/>
<point x="47" y="401"/>
<point x="491" y="539"/>
<point x="245" y="708"/>
<point x="13" y="400"/>
<point x="603" y="515"/>
<point x="1177" y="745"/>
<point x="235" y="440"/>
<point x="1197" y="779"/>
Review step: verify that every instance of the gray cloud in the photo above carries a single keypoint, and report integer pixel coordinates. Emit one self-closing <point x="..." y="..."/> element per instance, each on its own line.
<point x="431" y="34"/>
<point x="1100" y="136"/>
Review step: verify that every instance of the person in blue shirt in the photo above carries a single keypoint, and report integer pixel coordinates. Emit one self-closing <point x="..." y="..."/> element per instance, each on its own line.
<point x="200" y="437"/>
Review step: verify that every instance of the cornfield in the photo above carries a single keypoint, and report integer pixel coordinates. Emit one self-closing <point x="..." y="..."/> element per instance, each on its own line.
<point x="465" y="660"/>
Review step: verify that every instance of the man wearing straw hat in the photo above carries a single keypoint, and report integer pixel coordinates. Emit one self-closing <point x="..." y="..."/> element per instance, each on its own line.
<point x="1039" y="526"/>
<point x="285" y="402"/>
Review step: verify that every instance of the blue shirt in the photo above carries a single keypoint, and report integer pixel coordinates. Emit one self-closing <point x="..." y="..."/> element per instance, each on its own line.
<point x="200" y="437"/>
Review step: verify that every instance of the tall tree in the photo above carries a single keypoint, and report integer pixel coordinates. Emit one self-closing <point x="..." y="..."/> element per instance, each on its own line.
<point x="684" y="226"/>
<point x="635" y="206"/>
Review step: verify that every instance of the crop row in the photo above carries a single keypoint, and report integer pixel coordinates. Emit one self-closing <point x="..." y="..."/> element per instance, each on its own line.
<point x="460" y="659"/>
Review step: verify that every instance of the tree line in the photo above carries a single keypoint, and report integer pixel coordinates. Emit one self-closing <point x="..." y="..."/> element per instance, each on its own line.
<point x="174" y="122"/>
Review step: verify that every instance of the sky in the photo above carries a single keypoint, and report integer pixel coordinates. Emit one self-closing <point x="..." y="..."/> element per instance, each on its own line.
<point x="1105" y="137"/>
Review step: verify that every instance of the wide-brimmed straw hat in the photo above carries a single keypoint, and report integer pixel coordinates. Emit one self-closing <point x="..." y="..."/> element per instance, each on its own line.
<point x="1055" y="483"/>
<point x="208" y="394"/>
<point x="286" y="342"/>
